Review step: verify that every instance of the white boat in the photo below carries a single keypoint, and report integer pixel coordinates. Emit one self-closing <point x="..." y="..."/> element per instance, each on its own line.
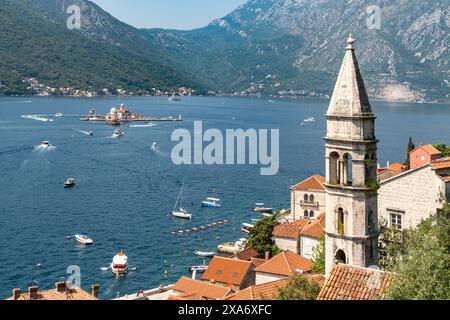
<point x="204" y="254"/>
<point x="117" y="133"/>
<point x="59" y="115"/>
<point x="180" y="212"/>
<point x="119" y="264"/>
<point x="154" y="146"/>
<point x="247" y="227"/>
<point x="232" y="248"/>
<point x="211" y="203"/>
<point x="199" y="269"/>
<point x="45" y="145"/>
<point x="174" y="98"/>
<point x="69" y="183"/>
<point x="259" y="208"/>
<point x="310" y="119"/>
<point x="83" y="239"/>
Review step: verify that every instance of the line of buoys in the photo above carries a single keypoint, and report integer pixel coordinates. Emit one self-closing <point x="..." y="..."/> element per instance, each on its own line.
<point x="201" y="228"/>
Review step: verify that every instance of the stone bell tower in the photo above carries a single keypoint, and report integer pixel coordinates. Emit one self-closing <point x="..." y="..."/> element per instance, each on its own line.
<point x="351" y="234"/>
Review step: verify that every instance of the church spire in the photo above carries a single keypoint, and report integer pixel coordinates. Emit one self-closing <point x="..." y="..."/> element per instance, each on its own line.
<point x="350" y="96"/>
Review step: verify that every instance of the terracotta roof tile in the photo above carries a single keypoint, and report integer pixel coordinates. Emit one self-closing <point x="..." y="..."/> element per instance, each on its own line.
<point x="257" y="262"/>
<point x="265" y="291"/>
<point x="430" y="149"/>
<point x="285" y="264"/>
<point x="247" y="254"/>
<point x="316" y="228"/>
<point x="226" y="270"/>
<point x="354" y="283"/>
<point x="315" y="182"/>
<point x="289" y="230"/>
<point x="198" y="290"/>
<point x="74" y="294"/>
<point x="443" y="163"/>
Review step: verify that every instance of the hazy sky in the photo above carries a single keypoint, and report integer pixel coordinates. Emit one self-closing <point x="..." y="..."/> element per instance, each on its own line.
<point x="174" y="14"/>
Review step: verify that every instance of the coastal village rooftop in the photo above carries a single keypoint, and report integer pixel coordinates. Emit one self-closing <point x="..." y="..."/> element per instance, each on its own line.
<point x="61" y="292"/>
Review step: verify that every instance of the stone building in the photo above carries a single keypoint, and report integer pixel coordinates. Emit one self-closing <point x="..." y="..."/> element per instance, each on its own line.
<point x="351" y="156"/>
<point x="406" y="199"/>
<point x="307" y="198"/>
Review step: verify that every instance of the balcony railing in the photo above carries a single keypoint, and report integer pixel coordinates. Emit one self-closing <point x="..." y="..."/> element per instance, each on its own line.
<point x="309" y="204"/>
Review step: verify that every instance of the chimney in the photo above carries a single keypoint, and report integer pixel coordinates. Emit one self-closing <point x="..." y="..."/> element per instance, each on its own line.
<point x="378" y="166"/>
<point x="212" y="281"/>
<point x="388" y="164"/>
<point x="33" y="292"/>
<point x="60" y="286"/>
<point x="194" y="275"/>
<point x="16" y="293"/>
<point x="95" y="290"/>
<point x="267" y="256"/>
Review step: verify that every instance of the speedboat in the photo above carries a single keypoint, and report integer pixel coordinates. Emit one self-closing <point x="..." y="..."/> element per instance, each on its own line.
<point x="232" y="248"/>
<point x="154" y="146"/>
<point x="211" y="203"/>
<point x="59" y="115"/>
<point x="117" y="133"/>
<point x="83" y="239"/>
<point x="119" y="264"/>
<point x="199" y="269"/>
<point x="204" y="254"/>
<point x="310" y="119"/>
<point x="259" y="208"/>
<point x="69" y="183"/>
<point x="45" y="145"/>
<point x="174" y="98"/>
<point x="247" y="227"/>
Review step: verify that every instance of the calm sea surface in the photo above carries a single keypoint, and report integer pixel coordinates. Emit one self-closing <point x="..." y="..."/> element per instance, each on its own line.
<point x="125" y="191"/>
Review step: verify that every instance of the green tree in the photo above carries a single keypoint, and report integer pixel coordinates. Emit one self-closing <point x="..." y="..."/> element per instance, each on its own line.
<point x="422" y="266"/>
<point x="411" y="147"/>
<point x="261" y="237"/>
<point x="442" y="147"/>
<point x="318" y="255"/>
<point x="300" y="287"/>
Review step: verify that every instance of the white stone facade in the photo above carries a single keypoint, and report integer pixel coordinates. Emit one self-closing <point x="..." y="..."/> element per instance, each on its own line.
<point x="262" y="277"/>
<point x="414" y="195"/>
<point x="288" y="244"/>
<point x="307" y="246"/>
<point x="299" y="206"/>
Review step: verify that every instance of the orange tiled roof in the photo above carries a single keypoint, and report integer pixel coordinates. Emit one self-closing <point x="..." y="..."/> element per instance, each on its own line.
<point x="354" y="283"/>
<point x="257" y="262"/>
<point x="315" y="229"/>
<point x="289" y="230"/>
<point x="430" y="149"/>
<point x="226" y="270"/>
<point x="247" y="254"/>
<point x="265" y="291"/>
<point x="443" y="163"/>
<point x="74" y="294"/>
<point x="312" y="183"/>
<point x="285" y="264"/>
<point x="198" y="290"/>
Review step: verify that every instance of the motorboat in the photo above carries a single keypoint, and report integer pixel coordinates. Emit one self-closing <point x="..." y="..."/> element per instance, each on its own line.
<point x="232" y="248"/>
<point x="310" y="120"/>
<point x="154" y="146"/>
<point x="45" y="145"/>
<point x="119" y="264"/>
<point x="174" y="98"/>
<point x="59" y="115"/>
<point x="260" y="208"/>
<point x="199" y="269"/>
<point x="204" y="254"/>
<point x="247" y="227"/>
<point x="69" y="183"/>
<point x="117" y="133"/>
<point x="83" y="239"/>
<point x="180" y="212"/>
<point x="211" y="203"/>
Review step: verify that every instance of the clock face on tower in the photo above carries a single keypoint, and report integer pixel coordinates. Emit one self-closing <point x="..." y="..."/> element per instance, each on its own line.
<point x="342" y="105"/>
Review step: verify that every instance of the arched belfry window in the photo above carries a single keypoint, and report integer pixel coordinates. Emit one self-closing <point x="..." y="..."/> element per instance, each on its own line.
<point x="306" y="214"/>
<point x="311" y="198"/>
<point x="347" y="169"/>
<point x="334" y="168"/>
<point x="306" y="198"/>
<point x="340" y="257"/>
<point x="341" y="221"/>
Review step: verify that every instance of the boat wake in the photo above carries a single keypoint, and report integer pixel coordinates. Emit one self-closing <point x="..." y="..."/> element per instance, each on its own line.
<point x="42" y="148"/>
<point x="88" y="133"/>
<point x="148" y="125"/>
<point x="37" y="118"/>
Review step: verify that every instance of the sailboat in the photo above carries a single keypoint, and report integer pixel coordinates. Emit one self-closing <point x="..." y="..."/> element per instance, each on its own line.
<point x="181" y="213"/>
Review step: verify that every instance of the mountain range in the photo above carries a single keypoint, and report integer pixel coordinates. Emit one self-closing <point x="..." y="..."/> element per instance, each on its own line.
<point x="264" y="47"/>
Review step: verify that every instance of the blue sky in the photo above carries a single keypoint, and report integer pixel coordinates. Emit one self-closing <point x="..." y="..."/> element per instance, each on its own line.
<point x="174" y="14"/>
